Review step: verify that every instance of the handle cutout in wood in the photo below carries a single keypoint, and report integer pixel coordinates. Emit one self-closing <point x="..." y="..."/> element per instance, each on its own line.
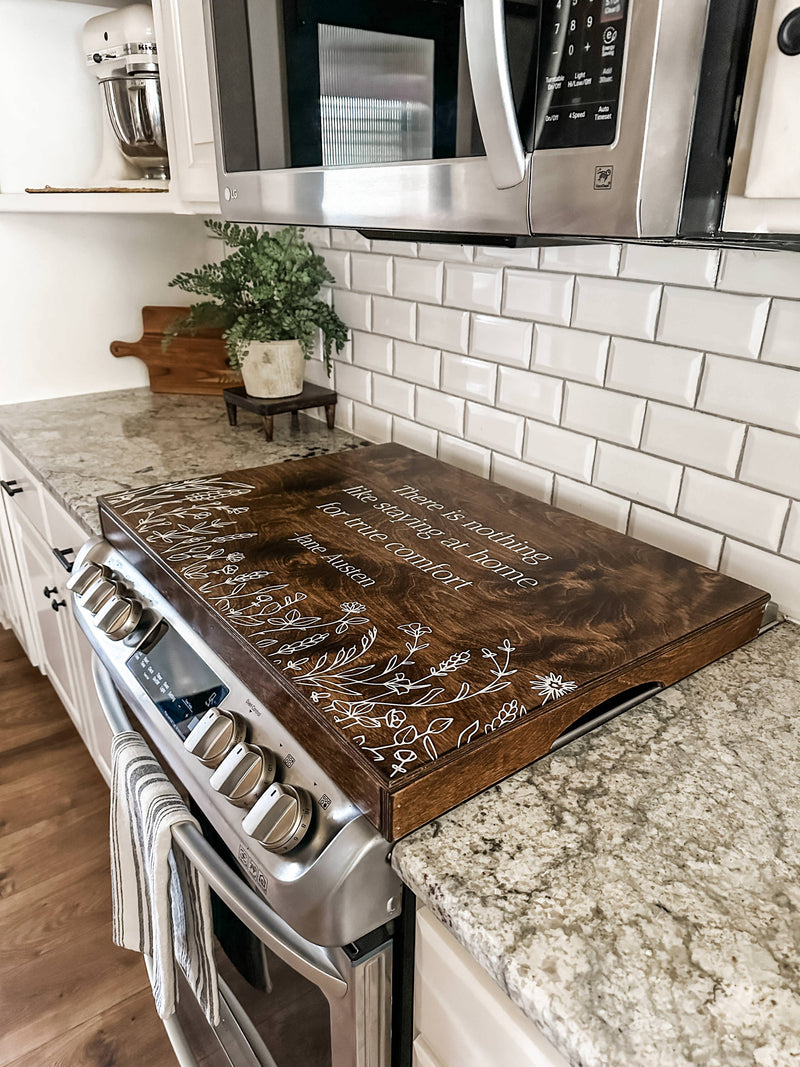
<point x="607" y="710"/>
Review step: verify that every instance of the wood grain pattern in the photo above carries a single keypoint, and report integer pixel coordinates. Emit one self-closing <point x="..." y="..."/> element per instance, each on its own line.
<point x="421" y="631"/>
<point x="196" y="365"/>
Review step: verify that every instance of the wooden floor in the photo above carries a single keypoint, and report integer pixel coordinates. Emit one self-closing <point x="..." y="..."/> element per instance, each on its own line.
<point x="68" y="996"/>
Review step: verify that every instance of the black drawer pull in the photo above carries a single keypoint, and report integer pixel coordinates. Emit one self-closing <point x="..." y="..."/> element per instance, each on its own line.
<point x="8" y="486"/>
<point x="47" y="593"/>
<point x="61" y="555"/>
<point x="56" y="604"/>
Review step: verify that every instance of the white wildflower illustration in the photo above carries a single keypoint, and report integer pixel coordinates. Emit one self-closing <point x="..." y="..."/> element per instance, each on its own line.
<point x="552" y="686"/>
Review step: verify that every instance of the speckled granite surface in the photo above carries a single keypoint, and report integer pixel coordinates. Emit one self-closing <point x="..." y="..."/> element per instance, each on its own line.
<point x="637" y="894"/>
<point x="81" y="447"/>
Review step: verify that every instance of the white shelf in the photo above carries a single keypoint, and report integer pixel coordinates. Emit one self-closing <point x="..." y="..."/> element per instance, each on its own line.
<point x="98" y="203"/>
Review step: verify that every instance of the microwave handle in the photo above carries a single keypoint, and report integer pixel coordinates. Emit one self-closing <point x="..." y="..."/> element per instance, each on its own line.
<point x="484" y="26"/>
<point x="309" y="960"/>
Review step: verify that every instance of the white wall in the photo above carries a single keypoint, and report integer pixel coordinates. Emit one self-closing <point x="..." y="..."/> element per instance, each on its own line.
<point x="654" y="390"/>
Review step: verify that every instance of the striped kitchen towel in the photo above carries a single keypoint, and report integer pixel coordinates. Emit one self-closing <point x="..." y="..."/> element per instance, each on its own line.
<point x="161" y="905"/>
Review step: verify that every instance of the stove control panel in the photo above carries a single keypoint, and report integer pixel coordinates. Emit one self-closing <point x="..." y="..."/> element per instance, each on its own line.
<point x="280" y="819"/>
<point x="244" y="774"/>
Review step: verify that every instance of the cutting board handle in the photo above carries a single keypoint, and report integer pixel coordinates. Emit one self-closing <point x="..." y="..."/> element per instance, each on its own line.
<point x="606" y="710"/>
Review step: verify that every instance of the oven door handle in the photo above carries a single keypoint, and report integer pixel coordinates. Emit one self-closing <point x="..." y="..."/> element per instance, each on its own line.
<point x="309" y="960"/>
<point x="487" y="56"/>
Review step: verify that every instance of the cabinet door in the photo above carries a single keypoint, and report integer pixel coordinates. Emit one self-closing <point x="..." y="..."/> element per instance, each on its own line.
<point x="187" y="93"/>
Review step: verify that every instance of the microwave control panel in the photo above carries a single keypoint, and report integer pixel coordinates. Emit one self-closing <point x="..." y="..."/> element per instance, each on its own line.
<point x="582" y="44"/>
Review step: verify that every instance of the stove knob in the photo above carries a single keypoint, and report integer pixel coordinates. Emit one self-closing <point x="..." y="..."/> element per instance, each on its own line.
<point x="99" y="594"/>
<point x="214" y="736"/>
<point x="280" y="819"/>
<point x="82" y="581"/>
<point x="119" y="617"/>
<point x="244" y="774"/>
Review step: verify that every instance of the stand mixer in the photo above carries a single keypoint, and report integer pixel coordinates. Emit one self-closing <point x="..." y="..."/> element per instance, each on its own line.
<point x="120" y="48"/>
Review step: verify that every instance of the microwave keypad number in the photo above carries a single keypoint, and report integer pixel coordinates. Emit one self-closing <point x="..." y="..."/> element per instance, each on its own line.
<point x="582" y="46"/>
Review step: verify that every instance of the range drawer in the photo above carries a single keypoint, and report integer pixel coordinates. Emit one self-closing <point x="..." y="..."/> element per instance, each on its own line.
<point x="21" y="491"/>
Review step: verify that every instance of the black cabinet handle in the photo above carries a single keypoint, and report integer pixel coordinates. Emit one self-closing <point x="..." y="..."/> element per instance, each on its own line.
<point x="61" y="555"/>
<point x="8" y="486"/>
<point x="789" y="34"/>
<point x="47" y="593"/>
<point x="56" y="604"/>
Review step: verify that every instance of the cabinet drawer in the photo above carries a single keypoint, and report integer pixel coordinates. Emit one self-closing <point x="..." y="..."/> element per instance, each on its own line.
<point x="22" y="493"/>
<point x="65" y="532"/>
<point x="462" y="1017"/>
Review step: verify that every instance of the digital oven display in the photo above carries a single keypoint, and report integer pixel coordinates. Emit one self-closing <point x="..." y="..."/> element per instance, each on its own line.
<point x="177" y="680"/>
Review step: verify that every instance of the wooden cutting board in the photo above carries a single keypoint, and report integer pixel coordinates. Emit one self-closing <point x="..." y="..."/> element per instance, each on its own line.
<point x="424" y="633"/>
<point x="196" y="365"/>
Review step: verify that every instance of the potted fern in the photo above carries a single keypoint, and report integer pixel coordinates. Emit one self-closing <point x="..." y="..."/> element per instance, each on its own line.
<point x="264" y="296"/>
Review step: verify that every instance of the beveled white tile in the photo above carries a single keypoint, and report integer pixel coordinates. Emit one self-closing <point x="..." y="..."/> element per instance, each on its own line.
<point x="790" y="546"/>
<point x="473" y="287"/>
<point x="447" y="252"/>
<point x="338" y="263"/>
<point x="370" y="423"/>
<point x="772" y="461"/>
<point x="673" y="535"/>
<point x="746" y="513"/>
<point x="582" y="259"/>
<point x="658" y="371"/>
<point x="713" y="321"/>
<point x="372" y="351"/>
<point x="760" y="271"/>
<point x="679" y="266"/>
<point x="755" y="392"/>
<point x="504" y="340"/>
<point x="523" y="477"/>
<point x="543" y="297"/>
<point x="318" y="237"/>
<point x="344" y="413"/>
<point x="474" y="379"/>
<point x="416" y="363"/>
<point x="507" y="257"/>
<point x="353" y="382"/>
<point x="316" y="373"/>
<point x="370" y="273"/>
<point x="397" y="318"/>
<point x="464" y="455"/>
<point x="559" y="450"/>
<point x="570" y="353"/>
<point x="443" y="328"/>
<point x="536" y="395"/>
<point x="395" y="248"/>
<point x="440" y="411"/>
<point x="498" y="430"/>
<point x="419" y="279"/>
<point x="610" y="305"/>
<point x="353" y="309"/>
<point x="693" y="438"/>
<point x="389" y="394"/>
<point x="591" y="503"/>
<point x="640" y="478"/>
<point x="412" y="435"/>
<point x="778" y="576"/>
<point x="349" y="239"/>
<point x="603" y="413"/>
<point x="782" y="339"/>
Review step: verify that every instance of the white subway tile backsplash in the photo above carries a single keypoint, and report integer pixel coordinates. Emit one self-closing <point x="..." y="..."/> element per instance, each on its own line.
<point x="447" y="252"/>
<point x="609" y="305"/>
<point x="508" y="257"/>
<point x="316" y="373"/>
<point x="473" y="287"/>
<point x="748" y="514"/>
<point x="416" y="363"/>
<point x="371" y="273"/>
<point x="561" y="451"/>
<point x="338" y="263"/>
<point x="344" y="414"/>
<point x="419" y="279"/>
<point x="372" y="351"/>
<point x="656" y="371"/>
<point x="772" y="461"/>
<point x="394" y="317"/>
<point x="523" y="477"/>
<point x="582" y="259"/>
<point x="353" y="382"/>
<point x="370" y="423"/>
<point x="395" y="248"/>
<point x="444" y="327"/>
<point x="755" y="392"/>
<point x="791" y="541"/>
<point x="353" y="309"/>
<point x="692" y="438"/>
<point x="782" y="339"/>
<point x="495" y="429"/>
<point x="536" y="395"/>
<point x="674" y="535"/>
<point x="716" y="322"/>
<point x="591" y="503"/>
<point x="642" y="479"/>
<point x="440" y="411"/>
<point x="540" y="296"/>
<point x="464" y="455"/>
<point x="570" y="353"/>
<point x="318" y="237"/>
<point x="779" y="577"/>
<point x="679" y="266"/>
<point x="474" y="379"/>
<point x="390" y="394"/>
<point x="754" y="271"/>
<point x="503" y="340"/>
<point x="349" y="239"/>
<point x="412" y="435"/>
<point x="604" y="414"/>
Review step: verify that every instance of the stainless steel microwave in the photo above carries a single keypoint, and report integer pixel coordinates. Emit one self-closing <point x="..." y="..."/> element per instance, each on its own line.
<point x="479" y="118"/>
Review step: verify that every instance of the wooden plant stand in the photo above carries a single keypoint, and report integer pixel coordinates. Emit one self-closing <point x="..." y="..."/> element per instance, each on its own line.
<point x="312" y="396"/>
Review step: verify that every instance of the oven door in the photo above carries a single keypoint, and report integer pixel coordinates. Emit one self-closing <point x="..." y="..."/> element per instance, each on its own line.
<point x="284" y="1001"/>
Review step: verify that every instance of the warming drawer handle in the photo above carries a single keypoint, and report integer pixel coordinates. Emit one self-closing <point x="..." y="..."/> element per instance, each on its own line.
<point x="11" y="487"/>
<point x="487" y="55"/>
<point x="607" y="710"/>
<point x="307" y="959"/>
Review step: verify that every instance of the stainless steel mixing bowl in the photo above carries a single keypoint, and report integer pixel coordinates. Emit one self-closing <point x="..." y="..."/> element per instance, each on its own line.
<point x="137" y="118"/>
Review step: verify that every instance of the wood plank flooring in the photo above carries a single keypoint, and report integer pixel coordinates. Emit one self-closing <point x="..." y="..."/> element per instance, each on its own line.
<point x="68" y="996"/>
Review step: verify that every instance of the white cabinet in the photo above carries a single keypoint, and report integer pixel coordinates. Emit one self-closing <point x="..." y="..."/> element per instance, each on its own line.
<point x="461" y="1017"/>
<point x="36" y="603"/>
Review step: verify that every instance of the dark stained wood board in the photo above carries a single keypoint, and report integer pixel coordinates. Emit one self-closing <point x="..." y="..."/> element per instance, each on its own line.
<point x="424" y="633"/>
<point x="192" y="365"/>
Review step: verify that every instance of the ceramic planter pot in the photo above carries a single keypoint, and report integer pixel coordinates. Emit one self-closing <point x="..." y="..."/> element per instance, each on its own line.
<point x="273" y="368"/>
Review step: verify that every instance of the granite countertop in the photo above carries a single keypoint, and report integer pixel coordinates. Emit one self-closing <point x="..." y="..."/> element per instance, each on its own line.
<point x="82" y="447"/>
<point x="637" y="894"/>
